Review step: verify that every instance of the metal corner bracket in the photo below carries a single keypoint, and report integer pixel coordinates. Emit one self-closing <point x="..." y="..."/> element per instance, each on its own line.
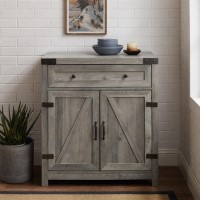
<point x="150" y="61"/>
<point x="48" y="61"/>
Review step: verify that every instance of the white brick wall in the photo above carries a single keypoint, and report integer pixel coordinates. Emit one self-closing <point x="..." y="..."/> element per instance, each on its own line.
<point x="30" y="28"/>
<point x="18" y="14"/>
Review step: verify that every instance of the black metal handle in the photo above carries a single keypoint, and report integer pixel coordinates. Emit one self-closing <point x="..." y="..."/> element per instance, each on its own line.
<point x="73" y="76"/>
<point x="95" y="130"/>
<point x="125" y="76"/>
<point x="104" y="130"/>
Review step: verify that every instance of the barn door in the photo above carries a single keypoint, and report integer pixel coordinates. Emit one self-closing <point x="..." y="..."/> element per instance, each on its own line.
<point x="73" y="133"/>
<point x="125" y="130"/>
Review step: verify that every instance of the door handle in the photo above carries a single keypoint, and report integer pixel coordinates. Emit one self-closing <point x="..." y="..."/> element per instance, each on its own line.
<point x="125" y="76"/>
<point x="104" y="130"/>
<point x="95" y="130"/>
<point x="73" y="76"/>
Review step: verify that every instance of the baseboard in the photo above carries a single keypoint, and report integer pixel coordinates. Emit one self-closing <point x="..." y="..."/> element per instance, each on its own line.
<point x="167" y="157"/>
<point x="192" y="182"/>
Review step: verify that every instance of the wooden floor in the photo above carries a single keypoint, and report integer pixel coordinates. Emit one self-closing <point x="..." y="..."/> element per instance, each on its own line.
<point x="170" y="179"/>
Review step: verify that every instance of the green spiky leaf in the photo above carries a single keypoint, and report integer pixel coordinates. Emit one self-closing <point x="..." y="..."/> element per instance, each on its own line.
<point x="15" y="128"/>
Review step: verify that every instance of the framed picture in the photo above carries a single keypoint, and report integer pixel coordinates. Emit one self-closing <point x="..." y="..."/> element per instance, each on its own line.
<point x="86" y="17"/>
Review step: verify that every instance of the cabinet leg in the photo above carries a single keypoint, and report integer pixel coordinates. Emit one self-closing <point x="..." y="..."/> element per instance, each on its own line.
<point x="45" y="182"/>
<point x="155" y="181"/>
<point x="154" y="172"/>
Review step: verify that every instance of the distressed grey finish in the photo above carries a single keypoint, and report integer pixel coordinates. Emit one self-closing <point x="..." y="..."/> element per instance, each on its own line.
<point x="100" y="175"/>
<point x="79" y="58"/>
<point x="99" y="76"/>
<point x="44" y="117"/>
<point x="95" y="96"/>
<point x="127" y="132"/>
<point x="155" y="132"/>
<point x="71" y="130"/>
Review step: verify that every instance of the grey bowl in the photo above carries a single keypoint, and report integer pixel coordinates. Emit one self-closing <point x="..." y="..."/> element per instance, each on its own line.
<point x="107" y="50"/>
<point x="107" y="42"/>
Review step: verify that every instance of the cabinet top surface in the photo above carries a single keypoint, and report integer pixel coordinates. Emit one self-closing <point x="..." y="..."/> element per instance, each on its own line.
<point x="93" y="58"/>
<point x="86" y="55"/>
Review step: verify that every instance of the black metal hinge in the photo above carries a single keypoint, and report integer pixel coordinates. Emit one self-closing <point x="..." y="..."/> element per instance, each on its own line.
<point x="48" y="61"/>
<point x="47" y="156"/>
<point x="47" y="104"/>
<point x="150" y="61"/>
<point x="152" y="156"/>
<point x="152" y="104"/>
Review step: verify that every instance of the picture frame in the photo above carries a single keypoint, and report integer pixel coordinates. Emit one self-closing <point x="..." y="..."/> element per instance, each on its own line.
<point x="86" y="17"/>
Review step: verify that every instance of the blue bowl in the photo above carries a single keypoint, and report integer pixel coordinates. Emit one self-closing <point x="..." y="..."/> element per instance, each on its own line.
<point x="107" y="42"/>
<point x="107" y="50"/>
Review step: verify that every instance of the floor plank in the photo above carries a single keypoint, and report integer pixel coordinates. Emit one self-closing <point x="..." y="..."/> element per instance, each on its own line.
<point x="170" y="179"/>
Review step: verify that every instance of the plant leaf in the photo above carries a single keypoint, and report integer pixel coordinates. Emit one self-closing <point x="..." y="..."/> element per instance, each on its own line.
<point x="15" y="127"/>
<point x="33" y="124"/>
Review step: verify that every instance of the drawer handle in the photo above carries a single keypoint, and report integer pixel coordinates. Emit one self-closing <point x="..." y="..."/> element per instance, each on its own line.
<point x="73" y="76"/>
<point x="125" y="76"/>
<point x="104" y="131"/>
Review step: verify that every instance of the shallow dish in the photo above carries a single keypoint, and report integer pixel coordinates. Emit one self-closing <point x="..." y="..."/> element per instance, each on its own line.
<point x="107" y="42"/>
<point x="107" y="50"/>
<point x="132" y="52"/>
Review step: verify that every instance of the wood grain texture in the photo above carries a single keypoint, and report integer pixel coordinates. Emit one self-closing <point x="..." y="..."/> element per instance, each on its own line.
<point x="99" y="76"/>
<point x="63" y="58"/>
<point x="85" y="196"/>
<point x="125" y="124"/>
<point x="88" y="89"/>
<point x="154" y="129"/>
<point x="70" y="130"/>
<point x="44" y="126"/>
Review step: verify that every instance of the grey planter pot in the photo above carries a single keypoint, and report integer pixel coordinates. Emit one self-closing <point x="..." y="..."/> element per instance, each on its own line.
<point x="16" y="162"/>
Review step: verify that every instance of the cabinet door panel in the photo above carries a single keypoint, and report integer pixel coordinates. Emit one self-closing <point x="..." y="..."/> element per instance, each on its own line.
<point x="71" y="130"/>
<point x="127" y="130"/>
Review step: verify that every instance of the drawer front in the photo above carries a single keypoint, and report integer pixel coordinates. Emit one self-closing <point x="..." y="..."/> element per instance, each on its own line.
<point x="99" y="76"/>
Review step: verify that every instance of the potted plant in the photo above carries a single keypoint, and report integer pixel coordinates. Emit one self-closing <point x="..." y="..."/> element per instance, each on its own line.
<point x="16" y="146"/>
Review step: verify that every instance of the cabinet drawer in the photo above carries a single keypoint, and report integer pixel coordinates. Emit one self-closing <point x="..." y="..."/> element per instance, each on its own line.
<point x="99" y="76"/>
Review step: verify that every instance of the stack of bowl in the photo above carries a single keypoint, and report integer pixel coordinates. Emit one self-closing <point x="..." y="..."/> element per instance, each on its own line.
<point x="107" y="47"/>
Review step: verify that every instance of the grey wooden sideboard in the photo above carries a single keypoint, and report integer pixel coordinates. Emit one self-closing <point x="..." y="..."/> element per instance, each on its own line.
<point x="98" y="117"/>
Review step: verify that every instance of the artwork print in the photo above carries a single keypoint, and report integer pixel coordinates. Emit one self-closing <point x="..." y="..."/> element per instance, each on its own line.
<point x="86" y="17"/>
